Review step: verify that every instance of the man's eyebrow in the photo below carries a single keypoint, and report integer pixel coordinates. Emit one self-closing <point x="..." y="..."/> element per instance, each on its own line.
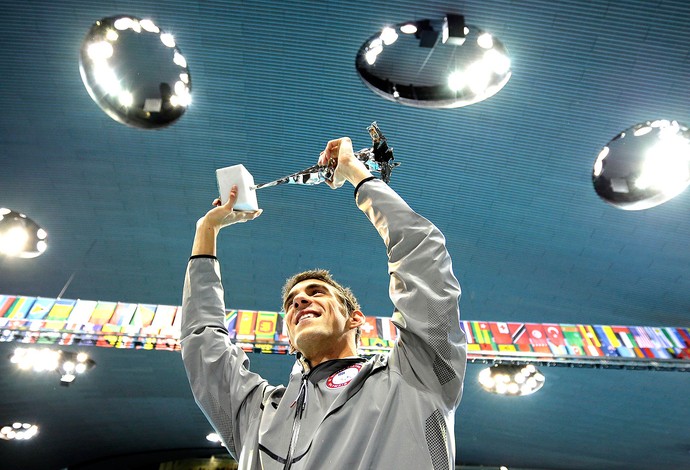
<point x="313" y="285"/>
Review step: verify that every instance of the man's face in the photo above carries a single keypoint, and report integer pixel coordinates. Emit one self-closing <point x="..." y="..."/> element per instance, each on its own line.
<point x="315" y="315"/>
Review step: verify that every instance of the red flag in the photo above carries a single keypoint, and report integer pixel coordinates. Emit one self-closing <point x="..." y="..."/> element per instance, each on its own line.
<point x="537" y="337"/>
<point x="554" y="337"/>
<point x="554" y="334"/>
<point x="369" y="329"/>
<point x="6" y="302"/>
<point x="501" y="333"/>
<point x="519" y="334"/>
<point x="246" y="320"/>
<point x="685" y="335"/>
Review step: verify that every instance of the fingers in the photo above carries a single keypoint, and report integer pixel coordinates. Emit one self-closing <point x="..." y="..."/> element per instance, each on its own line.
<point x="233" y="196"/>
<point x="332" y="151"/>
<point x="245" y="216"/>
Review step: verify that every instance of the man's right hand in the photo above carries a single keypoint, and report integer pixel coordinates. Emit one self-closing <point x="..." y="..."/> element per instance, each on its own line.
<point x="223" y="215"/>
<point x="220" y="216"/>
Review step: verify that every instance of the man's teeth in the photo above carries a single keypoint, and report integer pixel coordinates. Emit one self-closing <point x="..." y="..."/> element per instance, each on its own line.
<point x="306" y="315"/>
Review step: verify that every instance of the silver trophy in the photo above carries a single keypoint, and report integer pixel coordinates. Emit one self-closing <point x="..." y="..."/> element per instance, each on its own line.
<point x="378" y="158"/>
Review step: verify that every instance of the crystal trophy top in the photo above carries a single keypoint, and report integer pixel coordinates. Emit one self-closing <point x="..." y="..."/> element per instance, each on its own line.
<point x="378" y="158"/>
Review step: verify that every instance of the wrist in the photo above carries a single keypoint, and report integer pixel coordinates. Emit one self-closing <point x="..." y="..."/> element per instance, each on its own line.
<point x="358" y="174"/>
<point x="205" y="238"/>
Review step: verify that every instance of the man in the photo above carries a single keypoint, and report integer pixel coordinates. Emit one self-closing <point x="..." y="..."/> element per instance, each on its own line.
<point x="339" y="411"/>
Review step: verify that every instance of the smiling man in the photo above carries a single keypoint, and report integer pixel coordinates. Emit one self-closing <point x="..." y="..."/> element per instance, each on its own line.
<point x="339" y="410"/>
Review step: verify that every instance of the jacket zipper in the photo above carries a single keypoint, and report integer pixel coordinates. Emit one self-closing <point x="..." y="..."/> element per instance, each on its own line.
<point x="300" y="403"/>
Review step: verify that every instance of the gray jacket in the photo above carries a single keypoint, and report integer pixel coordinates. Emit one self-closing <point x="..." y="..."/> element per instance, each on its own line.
<point x="392" y="411"/>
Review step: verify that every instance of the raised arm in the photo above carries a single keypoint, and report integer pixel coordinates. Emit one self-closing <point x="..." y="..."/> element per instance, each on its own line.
<point x="431" y="352"/>
<point x="222" y="385"/>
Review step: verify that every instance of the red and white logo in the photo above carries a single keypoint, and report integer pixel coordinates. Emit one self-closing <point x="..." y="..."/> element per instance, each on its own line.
<point x="343" y="377"/>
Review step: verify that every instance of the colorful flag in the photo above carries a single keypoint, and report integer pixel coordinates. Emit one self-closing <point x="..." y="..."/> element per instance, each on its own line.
<point x="81" y="312"/>
<point x="629" y="347"/>
<point x="482" y="333"/>
<point x="554" y="337"/>
<point x="685" y="334"/>
<point x="500" y="333"/>
<point x="20" y="307"/>
<point x="106" y="340"/>
<point x="369" y="329"/>
<point x="537" y="338"/>
<point x="518" y="332"/>
<point x="102" y="313"/>
<point x="467" y="328"/>
<point x="123" y="314"/>
<point x="661" y="340"/>
<point x="266" y="326"/>
<point x="590" y="340"/>
<point x="143" y="316"/>
<point x="282" y="335"/>
<point x="131" y="337"/>
<point x="573" y="340"/>
<point x="387" y="329"/>
<point x="61" y="310"/>
<point x="165" y="315"/>
<point x="641" y="337"/>
<point x="673" y="337"/>
<point x="230" y="321"/>
<point x="473" y="347"/>
<point x="6" y="302"/>
<point x="40" y="308"/>
<point x="246" y="320"/>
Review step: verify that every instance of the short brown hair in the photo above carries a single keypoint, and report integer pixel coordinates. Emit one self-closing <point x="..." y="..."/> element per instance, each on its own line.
<point x="346" y="295"/>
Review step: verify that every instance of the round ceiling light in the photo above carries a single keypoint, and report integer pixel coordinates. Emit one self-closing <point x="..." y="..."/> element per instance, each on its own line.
<point x="18" y="431"/>
<point x="644" y="166"/>
<point x="20" y="236"/>
<point x="434" y="63"/>
<point x="514" y="380"/>
<point x="135" y="72"/>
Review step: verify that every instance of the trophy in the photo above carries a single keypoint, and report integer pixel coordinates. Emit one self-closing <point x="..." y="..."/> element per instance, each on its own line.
<point x="378" y="158"/>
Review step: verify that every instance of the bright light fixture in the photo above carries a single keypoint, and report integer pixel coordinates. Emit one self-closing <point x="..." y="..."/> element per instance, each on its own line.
<point x="100" y="50"/>
<point x="417" y="68"/>
<point x="513" y="380"/>
<point x="409" y="28"/>
<point x="485" y="41"/>
<point x="389" y="36"/>
<point x="644" y="166"/>
<point x="149" y="26"/>
<point x="168" y="40"/>
<point x="20" y="236"/>
<point x="67" y="364"/>
<point x="18" y="431"/>
<point x="122" y="82"/>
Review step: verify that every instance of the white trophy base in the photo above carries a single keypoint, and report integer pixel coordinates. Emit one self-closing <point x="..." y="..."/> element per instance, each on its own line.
<point x="246" y="194"/>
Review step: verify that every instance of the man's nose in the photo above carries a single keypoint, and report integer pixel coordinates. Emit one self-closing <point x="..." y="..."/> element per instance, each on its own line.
<point x="301" y="300"/>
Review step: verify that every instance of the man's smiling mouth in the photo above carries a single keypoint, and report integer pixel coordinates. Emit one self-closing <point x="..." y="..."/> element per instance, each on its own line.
<point x="305" y="315"/>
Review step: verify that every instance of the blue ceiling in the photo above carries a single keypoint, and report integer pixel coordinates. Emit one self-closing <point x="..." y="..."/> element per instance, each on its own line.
<point x="507" y="180"/>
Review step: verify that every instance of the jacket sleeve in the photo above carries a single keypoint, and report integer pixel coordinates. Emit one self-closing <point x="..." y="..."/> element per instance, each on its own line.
<point x="218" y="371"/>
<point x="431" y="351"/>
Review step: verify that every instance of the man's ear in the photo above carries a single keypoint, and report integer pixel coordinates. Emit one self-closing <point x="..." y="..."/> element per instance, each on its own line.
<point x="356" y="319"/>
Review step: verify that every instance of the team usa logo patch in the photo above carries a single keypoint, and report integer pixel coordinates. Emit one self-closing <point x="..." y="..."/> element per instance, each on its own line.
<point x="343" y="377"/>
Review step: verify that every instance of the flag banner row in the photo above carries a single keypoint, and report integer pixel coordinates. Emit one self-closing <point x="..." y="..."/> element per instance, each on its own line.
<point x="147" y="326"/>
